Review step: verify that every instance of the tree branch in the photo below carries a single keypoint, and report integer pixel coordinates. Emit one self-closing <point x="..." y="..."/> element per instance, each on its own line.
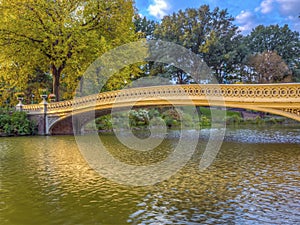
<point x="10" y="32"/>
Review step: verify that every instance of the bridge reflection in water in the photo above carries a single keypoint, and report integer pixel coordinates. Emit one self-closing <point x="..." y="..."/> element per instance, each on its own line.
<point x="279" y="99"/>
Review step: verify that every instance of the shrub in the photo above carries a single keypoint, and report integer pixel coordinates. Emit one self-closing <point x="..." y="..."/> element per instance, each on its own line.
<point x="187" y="120"/>
<point x="120" y="120"/>
<point x="153" y="113"/>
<point x="139" y="118"/>
<point x="233" y="119"/>
<point x="16" y="123"/>
<point x="172" y="117"/>
<point x="157" y="122"/>
<point x="205" y="122"/>
<point x="104" y="122"/>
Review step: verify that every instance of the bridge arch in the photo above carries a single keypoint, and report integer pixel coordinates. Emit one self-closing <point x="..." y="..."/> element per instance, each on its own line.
<point x="64" y="125"/>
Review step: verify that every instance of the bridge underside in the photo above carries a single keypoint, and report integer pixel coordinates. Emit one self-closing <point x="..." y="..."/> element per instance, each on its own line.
<point x="64" y="124"/>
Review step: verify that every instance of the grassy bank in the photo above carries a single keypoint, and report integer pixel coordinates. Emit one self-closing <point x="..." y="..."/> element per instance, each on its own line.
<point x="186" y="117"/>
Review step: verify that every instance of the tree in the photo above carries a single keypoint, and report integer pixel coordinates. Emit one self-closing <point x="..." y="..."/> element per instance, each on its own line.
<point x="270" y="68"/>
<point x="275" y="38"/>
<point x="209" y="34"/>
<point x="61" y="36"/>
<point x="144" y="27"/>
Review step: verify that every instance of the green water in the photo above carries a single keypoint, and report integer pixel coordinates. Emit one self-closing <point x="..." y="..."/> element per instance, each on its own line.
<point x="254" y="180"/>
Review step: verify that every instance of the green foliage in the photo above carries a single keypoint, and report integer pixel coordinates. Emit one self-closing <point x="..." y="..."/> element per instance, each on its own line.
<point x="153" y="113"/>
<point x="257" y="121"/>
<point x="276" y="39"/>
<point x="144" y="118"/>
<point x="234" y="119"/>
<point x="16" y="123"/>
<point x="204" y="121"/>
<point x="157" y="121"/>
<point x="139" y="118"/>
<point x="50" y="44"/>
<point x="185" y="117"/>
<point x="274" y="120"/>
<point x="144" y="27"/>
<point x="172" y="117"/>
<point x="208" y="33"/>
<point x="104" y="122"/>
<point x="172" y="114"/>
<point x="120" y="120"/>
<point x="187" y="120"/>
<point x="59" y="37"/>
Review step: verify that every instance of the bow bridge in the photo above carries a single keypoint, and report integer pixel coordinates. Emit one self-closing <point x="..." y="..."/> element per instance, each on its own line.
<point x="58" y="117"/>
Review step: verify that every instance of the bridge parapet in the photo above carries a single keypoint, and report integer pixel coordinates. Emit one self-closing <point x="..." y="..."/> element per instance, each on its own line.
<point x="241" y="93"/>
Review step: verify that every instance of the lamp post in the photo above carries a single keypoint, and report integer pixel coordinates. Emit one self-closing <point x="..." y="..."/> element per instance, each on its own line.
<point x="44" y="104"/>
<point x="32" y="98"/>
<point x="20" y="97"/>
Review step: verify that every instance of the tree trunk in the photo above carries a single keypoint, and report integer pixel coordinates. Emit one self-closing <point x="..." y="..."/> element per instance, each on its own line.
<point x="56" y="81"/>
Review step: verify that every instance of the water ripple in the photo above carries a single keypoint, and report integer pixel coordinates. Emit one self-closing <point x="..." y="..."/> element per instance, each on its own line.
<point x="44" y="180"/>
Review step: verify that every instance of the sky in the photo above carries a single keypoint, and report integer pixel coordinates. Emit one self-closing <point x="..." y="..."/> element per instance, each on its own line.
<point x="247" y="13"/>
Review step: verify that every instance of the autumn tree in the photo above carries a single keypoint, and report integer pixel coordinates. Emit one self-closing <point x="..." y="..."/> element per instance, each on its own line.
<point x="275" y="38"/>
<point x="270" y="68"/>
<point x="62" y="37"/>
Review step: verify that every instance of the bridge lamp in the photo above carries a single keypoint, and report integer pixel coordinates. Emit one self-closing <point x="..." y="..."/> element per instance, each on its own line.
<point x="32" y="98"/>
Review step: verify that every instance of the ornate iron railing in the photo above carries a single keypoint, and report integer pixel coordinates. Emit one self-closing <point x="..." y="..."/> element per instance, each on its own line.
<point x="238" y="92"/>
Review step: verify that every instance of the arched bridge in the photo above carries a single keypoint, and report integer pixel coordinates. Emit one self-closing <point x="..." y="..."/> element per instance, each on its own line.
<point x="279" y="99"/>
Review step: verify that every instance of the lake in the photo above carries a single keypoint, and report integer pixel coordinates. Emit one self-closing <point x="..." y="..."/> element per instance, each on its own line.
<point x="253" y="180"/>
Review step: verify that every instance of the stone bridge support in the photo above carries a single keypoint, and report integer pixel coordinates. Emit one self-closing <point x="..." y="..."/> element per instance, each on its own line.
<point x="40" y="118"/>
<point x="41" y="122"/>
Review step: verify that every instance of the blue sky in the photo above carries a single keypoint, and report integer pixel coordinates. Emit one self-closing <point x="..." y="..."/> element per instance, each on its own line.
<point x="248" y="13"/>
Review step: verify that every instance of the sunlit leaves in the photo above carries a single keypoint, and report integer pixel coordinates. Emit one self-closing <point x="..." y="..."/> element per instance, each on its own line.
<point x="60" y="37"/>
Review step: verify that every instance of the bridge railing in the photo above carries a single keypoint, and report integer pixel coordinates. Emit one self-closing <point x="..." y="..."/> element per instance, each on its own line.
<point x="237" y="92"/>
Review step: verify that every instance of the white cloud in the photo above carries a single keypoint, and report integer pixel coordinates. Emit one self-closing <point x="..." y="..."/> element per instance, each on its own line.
<point x="289" y="7"/>
<point x="286" y="7"/>
<point x="246" y="20"/>
<point x="266" y="6"/>
<point x="297" y="26"/>
<point x="295" y="22"/>
<point x="159" y="8"/>
<point x="290" y="10"/>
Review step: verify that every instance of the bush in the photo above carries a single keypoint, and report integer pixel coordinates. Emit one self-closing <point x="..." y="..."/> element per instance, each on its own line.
<point x="233" y="119"/>
<point x="104" y="122"/>
<point x="119" y="120"/>
<point x="138" y="118"/>
<point x="153" y="113"/>
<point x="205" y="122"/>
<point x="173" y="114"/>
<point x="16" y="123"/>
<point x="187" y="120"/>
<point x="172" y="118"/>
<point x="5" y="123"/>
<point x="157" y="122"/>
